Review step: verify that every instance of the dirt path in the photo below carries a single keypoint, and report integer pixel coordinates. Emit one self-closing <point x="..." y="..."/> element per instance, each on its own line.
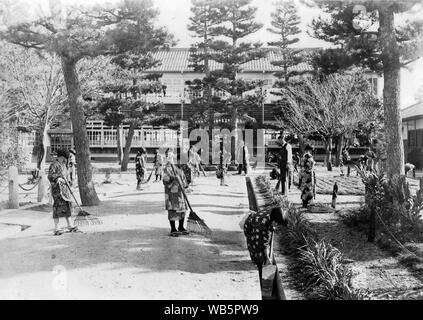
<point x="131" y="256"/>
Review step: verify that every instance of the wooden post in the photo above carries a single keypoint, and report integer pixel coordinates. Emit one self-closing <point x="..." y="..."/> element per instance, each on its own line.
<point x="372" y="225"/>
<point x="334" y="195"/>
<point x="13" y="188"/>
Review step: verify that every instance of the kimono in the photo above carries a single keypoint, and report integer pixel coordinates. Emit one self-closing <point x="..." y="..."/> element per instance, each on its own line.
<point x="158" y="165"/>
<point x="193" y="163"/>
<point x="197" y="158"/>
<point x="307" y="178"/>
<point x="140" y="167"/>
<point x="188" y="173"/>
<point x="174" y="198"/>
<point x="62" y="203"/>
<point x="257" y="229"/>
<point x="222" y="170"/>
<point x="345" y="160"/>
<point x="71" y="164"/>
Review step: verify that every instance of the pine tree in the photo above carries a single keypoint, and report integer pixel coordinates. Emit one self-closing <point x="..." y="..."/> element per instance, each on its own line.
<point x="203" y="22"/>
<point x="384" y="51"/>
<point x="237" y="18"/>
<point x="285" y="22"/>
<point x="80" y="33"/>
<point x="128" y="104"/>
<point x="136" y="39"/>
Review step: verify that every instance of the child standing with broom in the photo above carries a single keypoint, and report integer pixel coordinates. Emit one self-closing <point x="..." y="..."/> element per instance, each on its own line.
<point x="174" y="197"/>
<point x="62" y="206"/>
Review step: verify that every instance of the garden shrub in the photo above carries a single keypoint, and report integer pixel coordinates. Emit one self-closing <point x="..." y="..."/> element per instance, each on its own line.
<point x="393" y="202"/>
<point x="326" y="276"/>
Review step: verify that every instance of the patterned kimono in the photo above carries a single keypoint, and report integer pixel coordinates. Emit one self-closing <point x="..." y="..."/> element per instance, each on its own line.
<point x="192" y="163"/>
<point x="307" y="179"/>
<point x="62" y="203"/>
<point x="222" y="170"/>
<point x="174" y="198"/>
<point x="158" y="164"/>
<point x="140" y="167"/>
<point x="197" y="158"/>
<point x="188" y="172"/>
<point x="257" y="230"/>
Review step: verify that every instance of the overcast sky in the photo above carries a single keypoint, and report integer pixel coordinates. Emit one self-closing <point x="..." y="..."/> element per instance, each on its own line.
<point x="174" y="14"/>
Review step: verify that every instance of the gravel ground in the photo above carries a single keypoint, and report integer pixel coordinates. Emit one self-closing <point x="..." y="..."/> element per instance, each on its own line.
<point x="131" y="256"/>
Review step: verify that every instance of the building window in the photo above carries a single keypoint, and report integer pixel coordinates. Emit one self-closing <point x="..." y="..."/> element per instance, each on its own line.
<point x="412" y="134"/>
<point x="419" y="138"/>
<point x="268" y="82"/>
<point x="60" y="141"/>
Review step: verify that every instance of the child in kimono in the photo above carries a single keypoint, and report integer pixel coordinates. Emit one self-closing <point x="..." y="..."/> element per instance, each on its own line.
<point x="62" y="203"/>
<point x="173" y="181"/>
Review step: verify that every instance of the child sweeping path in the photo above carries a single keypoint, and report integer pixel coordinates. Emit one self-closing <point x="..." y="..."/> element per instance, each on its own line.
<point x="174" y="198"/>
<point x="131" y="256"/>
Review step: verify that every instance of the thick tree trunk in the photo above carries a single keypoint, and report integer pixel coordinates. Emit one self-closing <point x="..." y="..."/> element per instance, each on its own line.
<point x="329" y="153"/>
<point x="301" y="144"/>
<point x="211" y="126"/>
<point x="127" y="151"/>
<point x="234" y="138"/>
<point x="119" y="144"/>
<point x="391" y="91"/>
<point x="41" y="159"/>
<point x="85" y="173"/>
<point x="339" y="144"/>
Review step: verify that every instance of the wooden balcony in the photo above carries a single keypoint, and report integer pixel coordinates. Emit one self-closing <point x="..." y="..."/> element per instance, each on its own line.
<point x="101" y="136"/>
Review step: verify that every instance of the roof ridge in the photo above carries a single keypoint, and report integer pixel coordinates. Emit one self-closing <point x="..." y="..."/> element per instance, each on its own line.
<point x="270" y="48"/>
<point x="413" y="105"/>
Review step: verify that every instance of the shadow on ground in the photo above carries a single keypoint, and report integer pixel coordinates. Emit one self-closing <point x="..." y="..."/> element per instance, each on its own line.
<point x="147" y="249"/>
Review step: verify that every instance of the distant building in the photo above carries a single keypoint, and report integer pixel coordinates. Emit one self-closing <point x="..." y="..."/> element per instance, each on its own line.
<point x="412" y="134"/>
<point x="176" y="71"/>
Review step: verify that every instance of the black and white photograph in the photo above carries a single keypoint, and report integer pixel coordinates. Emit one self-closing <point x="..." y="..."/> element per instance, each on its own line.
<point x="230" y="151"/>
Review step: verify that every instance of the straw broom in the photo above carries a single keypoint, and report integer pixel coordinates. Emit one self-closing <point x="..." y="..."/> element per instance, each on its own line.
<point x="83" y="218"/>
<point x="194" y="223"/>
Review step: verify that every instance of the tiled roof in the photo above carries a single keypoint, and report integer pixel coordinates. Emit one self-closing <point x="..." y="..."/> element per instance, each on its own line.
<point x="413" y="111"/>
<point x="176" y="60"/>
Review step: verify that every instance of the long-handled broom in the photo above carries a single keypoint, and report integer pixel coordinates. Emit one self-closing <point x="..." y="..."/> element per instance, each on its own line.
<point x="83" y="218"/>
<point x="202" y="170"/>
<point x="149" y="177"/>
<point x="145" y="180"/>
<point x="194" y="223"/>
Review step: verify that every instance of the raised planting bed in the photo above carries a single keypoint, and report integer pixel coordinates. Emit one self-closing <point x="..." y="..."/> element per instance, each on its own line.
<point x="330" y="260"/>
